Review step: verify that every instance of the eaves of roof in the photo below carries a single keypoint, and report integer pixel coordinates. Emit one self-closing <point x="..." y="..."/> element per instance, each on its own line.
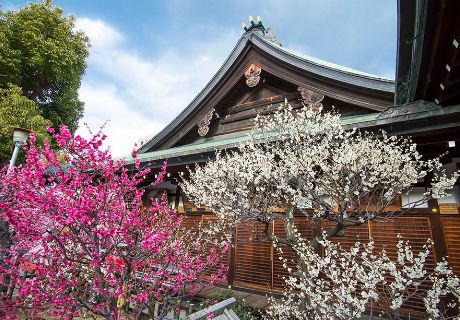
<point x="303" y="62"/>
<point x="323" y="68"/>
<point x="367" y="121"/>
<point x="228" y="142"/>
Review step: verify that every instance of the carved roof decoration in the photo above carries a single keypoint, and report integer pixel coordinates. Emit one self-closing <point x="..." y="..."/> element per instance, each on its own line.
<point x="259" y="29"/>
<point x="203" y="125"/>
<point x="252" y="75"/>
<point x="311" y="98"/>
<point x="259" y="46"/>
<point x="413" y="108"/>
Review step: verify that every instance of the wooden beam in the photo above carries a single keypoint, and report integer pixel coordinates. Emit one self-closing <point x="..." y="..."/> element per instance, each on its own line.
<point x="265" y="101"/>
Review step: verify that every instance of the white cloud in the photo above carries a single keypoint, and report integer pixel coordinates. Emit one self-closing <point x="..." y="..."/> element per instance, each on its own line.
<point x="122" y="125"/>
<point x="102" y="35"/>
<point x="141" y="96"/>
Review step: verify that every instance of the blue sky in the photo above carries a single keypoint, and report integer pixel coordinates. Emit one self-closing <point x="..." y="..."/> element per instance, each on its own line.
<point x="150" y="58"/>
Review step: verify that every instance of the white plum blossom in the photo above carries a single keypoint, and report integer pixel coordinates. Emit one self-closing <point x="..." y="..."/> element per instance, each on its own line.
<point x="303" y="162"/>
<point x="306" y="156"/>
<point x="341" y="284"/>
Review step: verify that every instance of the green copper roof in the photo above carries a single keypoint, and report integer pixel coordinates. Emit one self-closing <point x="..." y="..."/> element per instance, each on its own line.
<point x="328" y="65"/>
<point x="223" y="142"/>
<point x="360" y="118"/>
<point x="397" y="116"/>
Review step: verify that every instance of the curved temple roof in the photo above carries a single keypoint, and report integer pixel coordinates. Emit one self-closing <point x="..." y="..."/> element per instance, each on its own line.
<point x="258" y="38"/>
<point x="333" y="67"/>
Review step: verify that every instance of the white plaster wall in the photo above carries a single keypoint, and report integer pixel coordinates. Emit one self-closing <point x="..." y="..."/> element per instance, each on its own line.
<point x="415" y="195"/>
<point x="455" y="192"/>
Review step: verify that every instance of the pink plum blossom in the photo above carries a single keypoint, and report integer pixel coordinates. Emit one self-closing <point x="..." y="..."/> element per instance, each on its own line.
<point x="81" y="241"/>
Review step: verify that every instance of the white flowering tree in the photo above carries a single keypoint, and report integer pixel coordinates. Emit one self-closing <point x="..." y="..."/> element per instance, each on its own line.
<point x="304" y="162"/>
<point x="341" y="284"/>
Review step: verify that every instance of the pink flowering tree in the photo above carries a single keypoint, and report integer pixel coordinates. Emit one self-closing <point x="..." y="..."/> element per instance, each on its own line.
<point x="81" y="243"/>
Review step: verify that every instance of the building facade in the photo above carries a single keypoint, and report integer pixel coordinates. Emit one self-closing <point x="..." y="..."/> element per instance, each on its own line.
<point x="260" y="74"/>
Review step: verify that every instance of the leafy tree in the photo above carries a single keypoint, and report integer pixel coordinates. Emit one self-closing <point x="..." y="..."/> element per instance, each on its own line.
<point x="42" y="53"/>
<point x="306" y="163"/>
<point x="17" y="110"/>
<point x="83" y="244"/>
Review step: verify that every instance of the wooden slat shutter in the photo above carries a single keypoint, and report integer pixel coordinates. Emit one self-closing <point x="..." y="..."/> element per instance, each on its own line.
<point x="252" y="257"/>
<point x="224" y="258"/>
<point x="352" y="234"/>
<point x="415" y="229"/>
<point x="451" y="226"/>
<point x="305" y="227"/>
<point x="191" y="222"/>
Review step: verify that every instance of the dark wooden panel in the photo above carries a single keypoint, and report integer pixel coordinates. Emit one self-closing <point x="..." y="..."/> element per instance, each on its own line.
<point x="352" y="234"/>
<point x="451" y="226"/>
<point x="414" y="229"/>
<point x="266" y="100"/>
<point x="305" y="227"/>
<point x="253" y="257"/>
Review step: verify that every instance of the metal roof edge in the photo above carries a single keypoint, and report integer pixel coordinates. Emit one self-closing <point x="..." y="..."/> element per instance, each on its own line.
<point x="240" y="45"/>
<point x="218" y="144"/>
<point x="407" y="83"/>
<point x="331" y="66"/>
<point x="302" y="63"/>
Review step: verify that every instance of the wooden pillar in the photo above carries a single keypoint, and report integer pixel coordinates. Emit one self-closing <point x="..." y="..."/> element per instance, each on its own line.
<point x="437" y="231"/>
<point x="231" y="258"/>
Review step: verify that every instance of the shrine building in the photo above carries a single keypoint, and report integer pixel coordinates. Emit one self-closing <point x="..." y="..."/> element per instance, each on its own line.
<point x="260" y="74"/>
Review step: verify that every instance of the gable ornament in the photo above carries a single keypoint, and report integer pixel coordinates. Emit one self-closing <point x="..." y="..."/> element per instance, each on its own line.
<point x="311" y="98"/>
<point x="252" y="75"/>
<point x="203" y="125"/>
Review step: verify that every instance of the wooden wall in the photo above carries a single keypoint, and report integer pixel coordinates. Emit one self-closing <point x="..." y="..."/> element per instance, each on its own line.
<point x="451" y="228"/>
<point x="254" y="263"/>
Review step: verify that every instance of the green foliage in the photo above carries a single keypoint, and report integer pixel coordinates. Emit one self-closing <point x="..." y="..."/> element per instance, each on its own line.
<point x="41" y="52"/>
<point x="19" y="111"/>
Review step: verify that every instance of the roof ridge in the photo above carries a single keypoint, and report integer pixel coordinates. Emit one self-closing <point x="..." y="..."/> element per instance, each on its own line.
<point x="320" y="62"/>
<point x="270" y="44"/>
